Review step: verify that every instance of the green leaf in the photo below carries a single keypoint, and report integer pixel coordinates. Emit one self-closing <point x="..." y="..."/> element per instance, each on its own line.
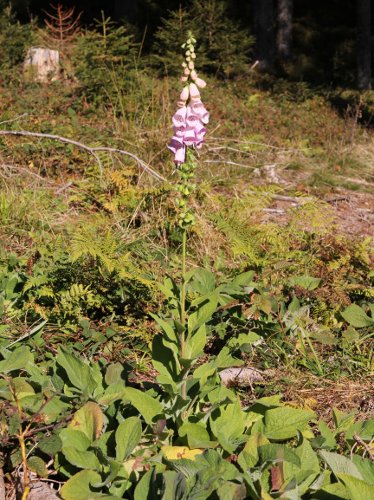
<point x="248" y="457"/>
<point x="17" y="360"/>
<point x="112" y="393"/>
<point x="227" y="424"/>
<point x="358" y="489"/>
<point x="365" y="467"/>
<point x="243" y="339"/>
<point x="340" y="464"/>
<point x="128" y="435"/>
<point x="113" y="374"/>
<point x="77" y="371"/>
<point x="343" y="421"/>
<point x="195" y="344"/>
<point x="197" y="435"/>
<point x="203" y="281"/>
<point x="164" y="362"/>
<point x="203" y="314"/>
<point x="81" y="459"/>
<point x="143" y="488"/>
<point x="356" y="316"/>
<point x="147" y="406"/>
<point x="53" y="409"/>
<point x="50" y="445"/>
<point x="327" y="435"/>
<point x="167" y="328"/>
<point x="284" y="422"/>
<point x="76" y="438"/>
<point x="243" y="279"/>
<point x="225" y="360"/>
<point x="78" y="487"/>
<point x="335" y="491"/>
<point x="88" y="419"/>
<point x="307" y="471"/>
<point x="37" y="465"/>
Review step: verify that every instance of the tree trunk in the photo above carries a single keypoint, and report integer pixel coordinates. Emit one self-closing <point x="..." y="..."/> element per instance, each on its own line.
<point x="284" y="34"/>
<point x="42" y="65"/>
<point x="364" y="44"/>
<point x="263" y="27"/>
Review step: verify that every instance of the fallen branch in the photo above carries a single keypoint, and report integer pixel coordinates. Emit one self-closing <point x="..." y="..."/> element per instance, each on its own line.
<point x="91" y="150"/>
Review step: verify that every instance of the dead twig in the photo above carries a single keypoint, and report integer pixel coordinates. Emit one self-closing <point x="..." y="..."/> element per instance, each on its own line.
<point x="14" y="119"/>
<point x="91" y="150"/>
<point x="361" y="442"/>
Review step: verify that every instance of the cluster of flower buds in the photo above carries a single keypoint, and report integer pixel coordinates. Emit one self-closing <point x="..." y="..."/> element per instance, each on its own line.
<point x="191" y="117"/>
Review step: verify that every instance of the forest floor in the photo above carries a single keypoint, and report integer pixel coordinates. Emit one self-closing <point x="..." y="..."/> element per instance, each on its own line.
<point x="285" y="189"/>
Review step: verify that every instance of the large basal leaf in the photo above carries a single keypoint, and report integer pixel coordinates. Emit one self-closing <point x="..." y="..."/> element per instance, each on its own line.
<point x="147" y="406"/>
<point x="79" y="487"/>
<point x="307" y="471"/>
<point x="249" y="456"/>
<point x="81" y="459"/>
<point x="358" y="489"/>
<point x="77" y="371"/>
<point x="284" y="422"/>
<point x="227" y="424"/>
<point x="340" y="464"/>
<point x="357" y="317"/>
<point x="74" y="437"/>
<point x="17" y="360"/>
<point x="128" y="435"/>
<point x="88" y="419"/>
<point x="365" y="467"/>
<point x="197" y="435"/>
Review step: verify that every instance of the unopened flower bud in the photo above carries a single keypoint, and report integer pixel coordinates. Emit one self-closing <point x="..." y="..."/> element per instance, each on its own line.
<point x="193" y="74"/>
<point x="184" y="78"/>
<point x="193" y="55"/>
<point x="184" y="65"/>
<point x="188" y="52"/>
<point x="200" y="83"/>
<point x="187" y="72"/>
<point x="191" y="65"/>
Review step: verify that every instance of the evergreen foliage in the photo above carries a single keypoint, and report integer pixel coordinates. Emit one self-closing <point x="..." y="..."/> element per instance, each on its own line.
<point x="224" y="46"/>
<point x="104" y="60"/>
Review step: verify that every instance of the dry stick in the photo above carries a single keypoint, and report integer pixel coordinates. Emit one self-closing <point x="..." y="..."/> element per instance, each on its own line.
<point x="90" y="150"/>
<point x="360" y="441"/>
<point x="2" y="485"/>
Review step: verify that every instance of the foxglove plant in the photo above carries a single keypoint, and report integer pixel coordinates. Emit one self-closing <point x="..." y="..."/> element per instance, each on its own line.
<point x="189" y="123"/>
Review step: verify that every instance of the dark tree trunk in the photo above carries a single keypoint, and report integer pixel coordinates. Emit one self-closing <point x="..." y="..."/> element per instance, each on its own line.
<point x="284" y="34"/>
<point x="263" y="27"/>
<point x="364" y="44"/>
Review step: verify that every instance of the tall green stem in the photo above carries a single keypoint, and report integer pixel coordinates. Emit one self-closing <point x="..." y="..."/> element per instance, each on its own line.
<point x="183" y="305"/>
